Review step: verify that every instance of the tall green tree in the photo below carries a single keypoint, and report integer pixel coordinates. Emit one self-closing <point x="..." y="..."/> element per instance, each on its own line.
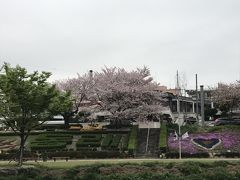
<point x="25" y="100"/>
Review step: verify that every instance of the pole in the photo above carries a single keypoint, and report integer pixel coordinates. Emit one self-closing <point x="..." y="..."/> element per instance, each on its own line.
<point x="197" y="97"/>
<point x="179" y="126"/>
<point x="179" y="141"/>
<point x="146" y="150"/>
<point x="202" y="104"/>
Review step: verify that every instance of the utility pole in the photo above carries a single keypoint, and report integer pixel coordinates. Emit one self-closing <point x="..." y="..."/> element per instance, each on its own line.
<point x="197" y="97"/>
<point x="202" y="105"/>
<point x="179" y="126"/>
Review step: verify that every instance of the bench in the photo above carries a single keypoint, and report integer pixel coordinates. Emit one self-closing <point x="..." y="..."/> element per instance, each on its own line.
<point x="55" y="158"/>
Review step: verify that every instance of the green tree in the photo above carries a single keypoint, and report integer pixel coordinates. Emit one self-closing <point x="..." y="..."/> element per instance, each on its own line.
<point x="25" y="101"/>
<point x="63" y="104"/>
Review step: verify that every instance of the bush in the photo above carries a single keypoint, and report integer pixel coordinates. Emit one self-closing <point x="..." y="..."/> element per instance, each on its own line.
<point x="92" y="136"/>
<point x="228" y="154"/>
<point x="89" y="140"/>
<point x="125" y="142"/>
<point x="187" y="155"/>
<point x="132" y="143"/>
<point x="52" y="145"/>
<point x="188" y="168"/>
<point x="116" y="140"/>
<point x="190" y="128"/>
<point x="107" y="140"/>
<point x="51" y="142"/>
<point x="82" y="143"/>
<point x="163" y="138"/>
<point x="85" y="154"/>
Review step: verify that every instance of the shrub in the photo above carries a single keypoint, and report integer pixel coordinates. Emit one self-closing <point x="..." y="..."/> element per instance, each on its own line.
<point x="107" y="140"/>
<point x="51" y="142"/>
<point x="187" y="155"/>
<point x="125" y="142"/>
<point x="163" y="138"/>
<point x="85" y="154"/>
<point x="53" y="145"/>
<point x="116" y="140"/>
<point x="89" y="140"/>
<point x="132" y="143"/>
<point x="188" y="168"/>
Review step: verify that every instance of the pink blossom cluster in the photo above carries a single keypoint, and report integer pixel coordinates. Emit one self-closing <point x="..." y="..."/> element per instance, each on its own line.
<point x="229" y="141"/>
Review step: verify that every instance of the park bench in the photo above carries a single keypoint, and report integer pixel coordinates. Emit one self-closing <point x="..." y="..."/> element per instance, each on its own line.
<point x="55" y="158"/>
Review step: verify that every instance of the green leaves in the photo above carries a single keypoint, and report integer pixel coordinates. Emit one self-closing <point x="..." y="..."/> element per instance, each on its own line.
<point x="25" y="97"/>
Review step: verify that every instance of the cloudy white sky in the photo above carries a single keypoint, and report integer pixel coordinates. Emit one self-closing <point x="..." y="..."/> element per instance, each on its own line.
<point x="70" y="36"/>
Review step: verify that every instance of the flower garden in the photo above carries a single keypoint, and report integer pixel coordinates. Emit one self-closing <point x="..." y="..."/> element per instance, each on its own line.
<point x="227" y="141"/>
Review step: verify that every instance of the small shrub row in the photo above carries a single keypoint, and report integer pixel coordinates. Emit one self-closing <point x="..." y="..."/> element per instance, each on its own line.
<point x="92" y="136"/>
<point x="228" y="154"/>
<point x="86" y="154"/>
<point x="54" y="145"/>
<point x="187" y="155"/>
<point x="82" y="143"/>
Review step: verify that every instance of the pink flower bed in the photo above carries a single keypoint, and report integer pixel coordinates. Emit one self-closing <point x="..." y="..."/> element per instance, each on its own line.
<point x="229" y="141"/>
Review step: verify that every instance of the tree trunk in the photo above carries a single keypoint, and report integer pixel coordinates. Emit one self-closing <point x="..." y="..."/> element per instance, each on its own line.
<point x="21" y="149"/>
<point x="66" y="121"/>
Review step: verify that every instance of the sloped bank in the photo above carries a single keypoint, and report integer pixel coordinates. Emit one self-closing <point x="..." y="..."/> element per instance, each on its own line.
<point x="224" y="170"/>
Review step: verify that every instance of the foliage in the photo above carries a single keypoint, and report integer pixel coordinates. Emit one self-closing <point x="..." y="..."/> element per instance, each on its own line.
<point x="145" y="171"/>
<point x="163" y="137"/>
<point x="62" y="104"/>
<point x="229" y="141"/>
<point x="107" y="140"/>
<point x="74" y="92"/>
<point x="46" y="142"/>
<point x="89" y="140"/>
<point x="190" y="128"/>
<point x="25" y="100"/>
<point x="116" y="140"/>
<point x="210" y="112"/>
<point x="227" y="96"/>
<point x="128" y="95"/>
<point x="132" y="143"/>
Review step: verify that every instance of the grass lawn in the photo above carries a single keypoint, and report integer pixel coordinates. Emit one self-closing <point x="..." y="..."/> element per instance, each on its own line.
<point x="62" y="164"/>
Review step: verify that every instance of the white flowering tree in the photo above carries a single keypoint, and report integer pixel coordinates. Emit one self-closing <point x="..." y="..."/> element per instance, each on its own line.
<point x="128" y="95"/>
<point x="78" y="90"/>
<point x="227" y="96"/>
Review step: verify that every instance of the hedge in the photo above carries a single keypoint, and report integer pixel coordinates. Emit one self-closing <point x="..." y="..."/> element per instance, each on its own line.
<point x="187" y="155"/>
<point x="116" y="140"/>
<point x="88" y="144"/>
<point x="125" y="142"/>
<point x="163" y="138"/>
<point x="89" y="140"/>
<point x="132" y="143"/>
<point x="51" y="142"/>
<point x="86" y="154"/>
<point x="107" y="140"/>
<point x="53" y="145"/>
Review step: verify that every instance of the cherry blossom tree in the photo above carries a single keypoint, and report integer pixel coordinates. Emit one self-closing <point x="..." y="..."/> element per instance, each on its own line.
<point x="78" y="89"/>
<point x="128" y="95"/>
<point x="227" y="96"/>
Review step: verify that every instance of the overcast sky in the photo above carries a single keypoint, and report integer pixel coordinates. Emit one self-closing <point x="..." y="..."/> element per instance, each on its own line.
<point x="67" y="36"/>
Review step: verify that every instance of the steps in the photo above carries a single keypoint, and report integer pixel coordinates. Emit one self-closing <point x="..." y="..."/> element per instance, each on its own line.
<point x="153" y="142"/>
<point x="142" y="141"/>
